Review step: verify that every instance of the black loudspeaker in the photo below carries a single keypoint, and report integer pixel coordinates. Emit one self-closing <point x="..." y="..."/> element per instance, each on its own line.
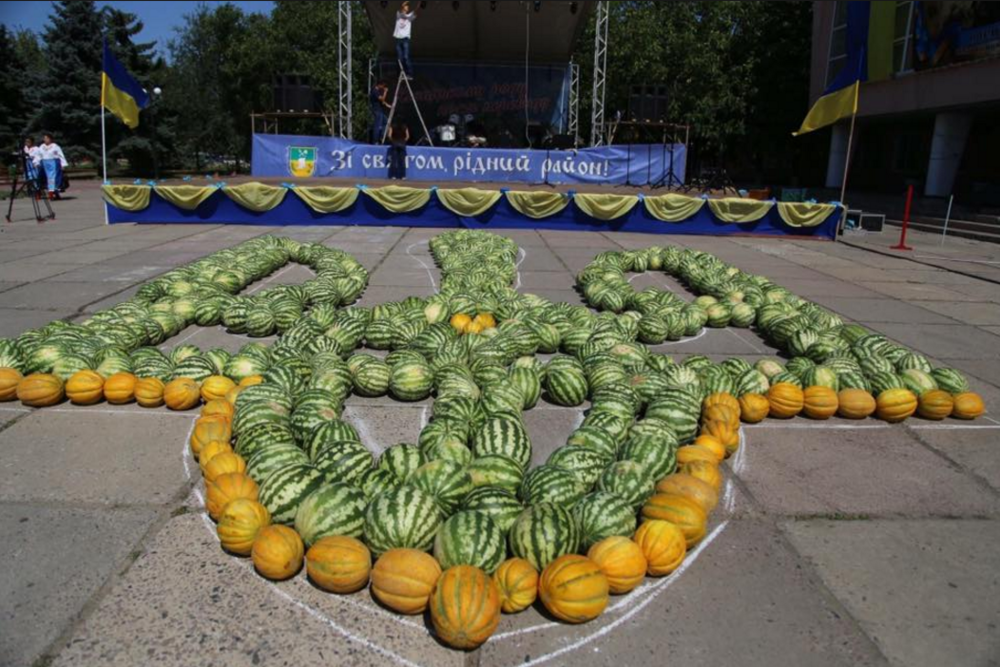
<point x="648" y="103"/>
<point x="294" y="92"/>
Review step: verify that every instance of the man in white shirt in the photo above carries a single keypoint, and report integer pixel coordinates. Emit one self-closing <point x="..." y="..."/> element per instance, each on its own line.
<point x="404" y="25"/>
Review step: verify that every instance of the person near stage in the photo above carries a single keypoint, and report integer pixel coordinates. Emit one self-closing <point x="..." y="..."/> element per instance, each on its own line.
<point x="52" y="161"/>
<point x="399" y="135"/>
<point x="31" y="163"/>
<point x="404" y="25"/>
<point x="377" y="99"/>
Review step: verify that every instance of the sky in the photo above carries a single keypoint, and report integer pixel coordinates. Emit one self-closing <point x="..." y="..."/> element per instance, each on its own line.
<point x="160" y="18"/>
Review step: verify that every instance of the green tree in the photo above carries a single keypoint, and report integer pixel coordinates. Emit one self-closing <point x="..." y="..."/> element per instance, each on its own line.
<point x="14" y="104"/>
<point x="70" y="91"/>
<point x="220" y="74"/>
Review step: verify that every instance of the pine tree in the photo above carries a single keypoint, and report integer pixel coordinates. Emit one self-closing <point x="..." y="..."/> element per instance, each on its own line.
<point x="13" y="100"/>
<point x="70" y="91"/>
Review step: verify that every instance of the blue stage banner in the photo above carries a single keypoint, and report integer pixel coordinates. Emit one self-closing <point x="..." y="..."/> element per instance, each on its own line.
<point x="284" y="156"/>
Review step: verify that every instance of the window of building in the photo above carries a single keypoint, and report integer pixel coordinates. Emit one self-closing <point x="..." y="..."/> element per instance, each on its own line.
<point x="902" y="53"/>
<point x="838" y="43"/>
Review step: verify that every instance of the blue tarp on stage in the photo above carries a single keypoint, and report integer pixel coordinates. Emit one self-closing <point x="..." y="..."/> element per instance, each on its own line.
<point x="220" y="209"/>
<point x="286" y="156"/>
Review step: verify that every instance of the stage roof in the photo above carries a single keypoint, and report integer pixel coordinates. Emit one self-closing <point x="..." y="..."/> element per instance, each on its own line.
<point x="475" y="33"/>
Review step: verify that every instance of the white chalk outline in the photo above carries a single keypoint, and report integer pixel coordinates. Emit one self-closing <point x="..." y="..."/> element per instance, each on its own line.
<point x="409" y="252"/>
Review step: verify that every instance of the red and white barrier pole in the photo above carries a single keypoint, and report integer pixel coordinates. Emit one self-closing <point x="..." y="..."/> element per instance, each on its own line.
<point x="906" y="222"/>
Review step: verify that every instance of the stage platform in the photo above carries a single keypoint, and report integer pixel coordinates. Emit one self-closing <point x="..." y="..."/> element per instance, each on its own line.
<point x="342" y="202"/>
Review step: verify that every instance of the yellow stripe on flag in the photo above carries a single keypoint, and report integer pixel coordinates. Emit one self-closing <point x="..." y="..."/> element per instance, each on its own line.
<point x="119" y="103"/>
<point x="831" y="108"/>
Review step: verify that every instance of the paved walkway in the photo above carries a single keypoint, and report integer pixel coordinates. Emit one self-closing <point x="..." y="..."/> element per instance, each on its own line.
<point x="838" y="544"/>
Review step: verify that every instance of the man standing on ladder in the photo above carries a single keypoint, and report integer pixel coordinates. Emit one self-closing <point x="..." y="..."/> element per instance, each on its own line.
<point x="404" y="25"/>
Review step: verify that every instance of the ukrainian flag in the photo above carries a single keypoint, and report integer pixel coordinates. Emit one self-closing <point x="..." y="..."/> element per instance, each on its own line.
<point x="120" y="93"/>
<point x="869" y="57"/>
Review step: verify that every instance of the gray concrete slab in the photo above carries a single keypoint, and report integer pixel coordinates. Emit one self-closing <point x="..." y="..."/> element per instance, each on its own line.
<point x="57" y="295"/>
<point x="211" y="608"/>
<point x="14" y="321"/>
<point x="918" y="292"/>
<point x="967" y="312"/>
<point x="28" y="270"/>
<point x="881" y="310"/>
<point x="557" y="280"/>
<point x="745" y="600"/>
<point x="975" y="450"/>
<point x="55" y="559"/>
<point x="801" y="470"/>
<point x="944" y="341"/>
<point x="96" y="455"/>
<point x="382" y="426"/>
<point x="549" y="426"/>
<point x="925" y="591"/>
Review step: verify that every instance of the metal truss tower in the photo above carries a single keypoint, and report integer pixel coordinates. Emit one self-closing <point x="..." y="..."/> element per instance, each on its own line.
<point x="345" y="91"/>
<point x="600" y="74"/>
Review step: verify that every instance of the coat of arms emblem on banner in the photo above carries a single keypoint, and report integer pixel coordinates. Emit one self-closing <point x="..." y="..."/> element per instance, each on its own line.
<point x="301" y="161"/>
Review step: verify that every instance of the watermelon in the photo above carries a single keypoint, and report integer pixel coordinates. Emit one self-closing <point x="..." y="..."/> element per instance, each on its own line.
<point x="499" y="504"/>
<point x="332" y="509"/>
<point x="331" y="431"/>
<point x="283" y="490"/>
<point x="551" y="484"/>
<point x="470" y="538"/>
<point x="542" y="533"/>
<point x="585" y="463"/>
<point x="950" y="380"/>
<point x="529" y="384"/>
<point x="447" y="482"/>
<point x="502" y="435"/>
<point x="269" y="458"/>
<point x="399" y="518"/>
<point x="313" y="408"/>
<point x="375" y="481"/>
<point x="265" y="435"/>
<point x="565" y="381"/>
<point x="372" y="379"/>
<point x="496" y="470"/>
<point x="602" y="515"/>
<point x="411" y="381"/>
<point x="681" y="410"/>
<point x="401" y="461"/>
<point x="628" y="480"/>
<point x="343" y="461"/>
<point x="656" y="453"/>
<point x="596" y="438"/>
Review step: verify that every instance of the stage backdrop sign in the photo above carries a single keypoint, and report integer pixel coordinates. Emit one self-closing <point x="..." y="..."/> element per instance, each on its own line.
<point x="276" y="155"/>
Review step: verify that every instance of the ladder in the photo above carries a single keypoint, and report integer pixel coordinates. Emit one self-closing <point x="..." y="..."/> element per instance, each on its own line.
<point x="403" y="79"/>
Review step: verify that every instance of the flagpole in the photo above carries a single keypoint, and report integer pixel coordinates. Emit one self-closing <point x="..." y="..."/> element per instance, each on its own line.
<point x="847" y="164"/>
<point x="104" y="149"/>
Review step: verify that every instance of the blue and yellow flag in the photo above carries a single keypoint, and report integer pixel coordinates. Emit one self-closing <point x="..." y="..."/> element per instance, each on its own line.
<point x="120" y="93"/>
<point x="840" y="99"/>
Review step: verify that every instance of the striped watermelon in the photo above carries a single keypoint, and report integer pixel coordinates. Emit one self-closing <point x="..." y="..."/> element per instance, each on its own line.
<point x="375" y="481"/>
<point x="401" y="460"/>
<point x="448" y="449"/>
<point x="344" y="461"/>
<point x="595" y="438"/>
<point x="496" y="470"/>
<point x="679" y="409"/>
<point x="950" y="380"/>
<point x="585" y="463"/>
<point x="372" y="379"/>
<point x="543" y="533"/>
<point x="264" y="435"/>
<point x="332" y="509"/>
<point x="551" y="484"/>
<point x="608" y="422"/>
<point x="602" y="515"/>
<point x="267" y="459"/>
<point x="529" y="383"/>
<point x="403" y="517"/>
<point x="656" y="453"/>
<point x="284" y="490"/>
<point x="565" y="381"/>
<point x="331" y="431"/>
<point x="470" y="538"/>
<point x="502" y="435"/>
<point x="499" y="504"/>
<point x="313" y="408"/>
<point x="627" y="480"/>
<point x="411" y="381"/>
<point x="447" y="482"/>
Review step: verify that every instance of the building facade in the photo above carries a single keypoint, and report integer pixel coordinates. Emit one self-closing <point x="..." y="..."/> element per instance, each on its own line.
<point x="930" y="117"/>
